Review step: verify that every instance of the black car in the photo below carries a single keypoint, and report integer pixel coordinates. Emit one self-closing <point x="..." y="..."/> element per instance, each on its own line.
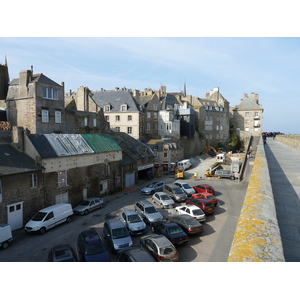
<point x="189" y="224"/>
<point x="91" y="247"/>
<point x="62" y="253"/>
<point x="171" y="231"/>
<point x="135" y="254"/>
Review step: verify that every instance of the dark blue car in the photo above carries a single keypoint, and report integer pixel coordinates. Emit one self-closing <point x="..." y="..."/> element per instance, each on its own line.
<point x="171" y="231"/>
<point x="91" y="247"/>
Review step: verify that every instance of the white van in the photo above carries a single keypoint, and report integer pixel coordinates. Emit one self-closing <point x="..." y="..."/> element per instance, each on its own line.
<point x="184" y="164"/>
<point x="49" y="217"/>
<point x="5" y="235"/>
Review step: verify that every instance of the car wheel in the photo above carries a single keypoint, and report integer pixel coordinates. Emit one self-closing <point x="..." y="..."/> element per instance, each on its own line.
<point x="69" y="219"/>
<point x="86" y="212"/>
<point x="232" y="177"/>
<point x="152" y="192"/>
<point x="5" y="245"/>
<point x="43" y="230"/>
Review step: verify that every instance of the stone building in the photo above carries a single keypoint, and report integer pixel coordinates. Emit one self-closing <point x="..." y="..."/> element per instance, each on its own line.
<point x="247" y="116"/>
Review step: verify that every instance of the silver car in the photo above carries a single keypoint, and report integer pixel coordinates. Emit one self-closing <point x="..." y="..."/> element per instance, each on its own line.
<point x="225" y="174"/>
<point x="175" y="192"/>
<point x="88" y="205"/>
<point x="187" y="188"/>
<point x="163" y="200"/>
<point x="132" y="221"/>
<point x="148" y="211"/>
<point x="153" y="187"/>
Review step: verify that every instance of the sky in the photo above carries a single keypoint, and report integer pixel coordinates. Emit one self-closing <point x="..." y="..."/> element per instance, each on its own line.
<point x="249" y="48"/>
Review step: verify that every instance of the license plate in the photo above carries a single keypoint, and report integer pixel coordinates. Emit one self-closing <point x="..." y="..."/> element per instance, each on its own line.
<point x="180" y="243"/>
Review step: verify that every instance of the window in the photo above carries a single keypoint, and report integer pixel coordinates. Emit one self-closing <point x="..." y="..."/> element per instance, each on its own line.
<point x="57" y="116"/>
<point x="124" y="107"/>
<point x="129" y="118"/>
<point x="33" y="180"/>
<point x="107" y="118"/>
<point x="106" y="108"/>
<point x="45" y="116"/>
<point x="117" y="129"/>
<point x="155" y="126"/>
<point x="155" y="115"/>
<point x="62" y="178"/>
<point x="129" y="130"/>
<point x="155" y="106"/>
<point x="117" y="118"/>
<point x="106" y="169"/>
<point x="148" y="115"/>
<point x="247" y="114"/>
<point x="94" y="122"/>
<point x="247" y="121"/>
<point x="50" y="93"/>
<point x="85" y="121"/>
<point x="148" y="126"/>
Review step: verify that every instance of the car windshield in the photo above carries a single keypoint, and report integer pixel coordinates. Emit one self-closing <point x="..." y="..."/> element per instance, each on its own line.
<point x="119" y="233"/>
<point x="177" y="191"/>
<point x="151" y="185"/>
<point x="197" y="212"/>
<point x="174" y="230"/>
<point x="94" y="249"/>
<point x="165" y="197"/>
<point x="167" y="250"/>
<point x="134" y="218"/>
<point x="208" y="204"/>
<point x="186" y="186"/>
<point x="192" y="222"/>
<point x="209" y="188"/>
<point x="39" y="216"/>
<point x="150" y="210"/>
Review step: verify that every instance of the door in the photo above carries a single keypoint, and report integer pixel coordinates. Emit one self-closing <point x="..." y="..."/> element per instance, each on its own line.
<point x="129" y="180"/>
<point x="15" y="215"/>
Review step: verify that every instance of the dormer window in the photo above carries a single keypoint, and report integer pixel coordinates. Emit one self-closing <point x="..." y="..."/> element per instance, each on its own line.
<point x="50" y="93"/>
<point x="106" y="108"/>
<point x="124" y="107"/>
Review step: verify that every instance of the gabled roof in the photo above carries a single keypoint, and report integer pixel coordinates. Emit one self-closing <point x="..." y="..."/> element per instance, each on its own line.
<point x="40" y="78"/>
<point x="13" y="162"/>
<point x="116" y="98"/>
<point x="248" y="103"/>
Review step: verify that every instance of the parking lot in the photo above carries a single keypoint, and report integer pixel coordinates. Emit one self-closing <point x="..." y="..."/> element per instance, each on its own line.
<point x="212" y="245"/>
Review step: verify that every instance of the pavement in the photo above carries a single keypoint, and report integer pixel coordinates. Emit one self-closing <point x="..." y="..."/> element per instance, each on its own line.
<point x="284" y="167"/>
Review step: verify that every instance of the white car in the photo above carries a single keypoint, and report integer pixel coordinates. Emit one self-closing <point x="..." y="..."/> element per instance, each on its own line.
<point x="88" y="205"/>
<point x="187" y="188"/>
<point x="191" y="210"/>
<point x="132" y="220"/>
<point x="163" y="200"/>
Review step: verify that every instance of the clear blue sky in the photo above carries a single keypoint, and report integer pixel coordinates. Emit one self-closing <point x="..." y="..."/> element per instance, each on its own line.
<point x="268" y="66"/>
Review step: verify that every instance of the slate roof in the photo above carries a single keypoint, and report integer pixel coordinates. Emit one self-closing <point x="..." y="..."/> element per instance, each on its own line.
<point x="248" y="103"/>
<point x="41" y="78"/>
<point x="13" y="162"/>
<point x="115" y="98"/>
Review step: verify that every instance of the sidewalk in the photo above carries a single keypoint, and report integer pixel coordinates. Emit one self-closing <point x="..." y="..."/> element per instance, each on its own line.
<point x="284" y="167"/>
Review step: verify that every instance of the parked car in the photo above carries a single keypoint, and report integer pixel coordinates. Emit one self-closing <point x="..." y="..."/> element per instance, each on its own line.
<point x="117" y="235"/>
<point x="175" y="192"/>
<point x="187" y="188"/>
<point x="153" y="187"/>
<point x="190" y="225"/>
<point x="204" y="188"/>
<point x="88" y="205"/>
<point x="135" y="254"/>
<point x="49" y="217"/>
<point x="204" y="204"/>
<point x="133" y="222"/>
<point x="62" y="253"/>
<point x="147" y="211"/>
<point x="225" y="174"/>
<point x="207" y="196"/>
<point x="172" y="231"/>
<point x="191" y="210"/>
<point x="162" y="199"/>
<point x="5" y="235"/>
<point x="91" y="247"/>
<point x="159" y="247"/>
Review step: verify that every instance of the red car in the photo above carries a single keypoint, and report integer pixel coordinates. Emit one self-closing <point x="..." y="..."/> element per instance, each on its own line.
<point x="204" y="188"/>
<point x="207" y="196"/>
<point x="204" y="204"/>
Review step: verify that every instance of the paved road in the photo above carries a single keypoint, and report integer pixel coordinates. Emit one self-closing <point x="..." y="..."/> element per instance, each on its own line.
<point x="284" y="168"/>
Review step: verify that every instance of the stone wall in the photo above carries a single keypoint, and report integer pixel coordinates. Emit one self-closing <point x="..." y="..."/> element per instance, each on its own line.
<point x="290" y="140"/>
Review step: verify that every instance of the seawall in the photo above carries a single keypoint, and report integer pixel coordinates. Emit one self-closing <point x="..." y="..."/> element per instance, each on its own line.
<point x="257" y="236"/>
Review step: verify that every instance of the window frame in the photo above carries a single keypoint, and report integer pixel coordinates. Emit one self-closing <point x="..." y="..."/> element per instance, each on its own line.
<point x="45" y="115"/>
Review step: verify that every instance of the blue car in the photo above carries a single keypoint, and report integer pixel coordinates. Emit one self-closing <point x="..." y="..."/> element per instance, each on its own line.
<point x="91" y="247"/>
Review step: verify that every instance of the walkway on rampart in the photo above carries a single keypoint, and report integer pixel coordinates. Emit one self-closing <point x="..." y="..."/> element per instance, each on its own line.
<point x="284" y="167"/>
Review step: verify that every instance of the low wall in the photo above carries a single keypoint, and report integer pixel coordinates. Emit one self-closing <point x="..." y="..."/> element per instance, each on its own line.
<point x="257" y="237"/>
<point x="290" y="140"/>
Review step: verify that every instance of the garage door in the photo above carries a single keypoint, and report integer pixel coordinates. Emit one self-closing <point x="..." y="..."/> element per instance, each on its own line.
<point x="15" y="215"/>
<point x="129" y="180"/>
<point x="62" y="198"/>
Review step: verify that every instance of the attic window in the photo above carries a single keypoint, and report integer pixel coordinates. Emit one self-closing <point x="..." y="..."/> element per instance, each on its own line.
<point x="106" y="108"/>
<point x="124" y="107"/>
<point x="50" y="93"/>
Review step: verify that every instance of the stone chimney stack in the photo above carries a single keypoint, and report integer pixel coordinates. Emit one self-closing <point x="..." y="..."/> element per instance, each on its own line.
<point x="24" y="79"/>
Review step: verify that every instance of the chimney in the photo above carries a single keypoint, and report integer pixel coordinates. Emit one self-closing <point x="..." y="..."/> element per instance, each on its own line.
<point x="24" y="79"/>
